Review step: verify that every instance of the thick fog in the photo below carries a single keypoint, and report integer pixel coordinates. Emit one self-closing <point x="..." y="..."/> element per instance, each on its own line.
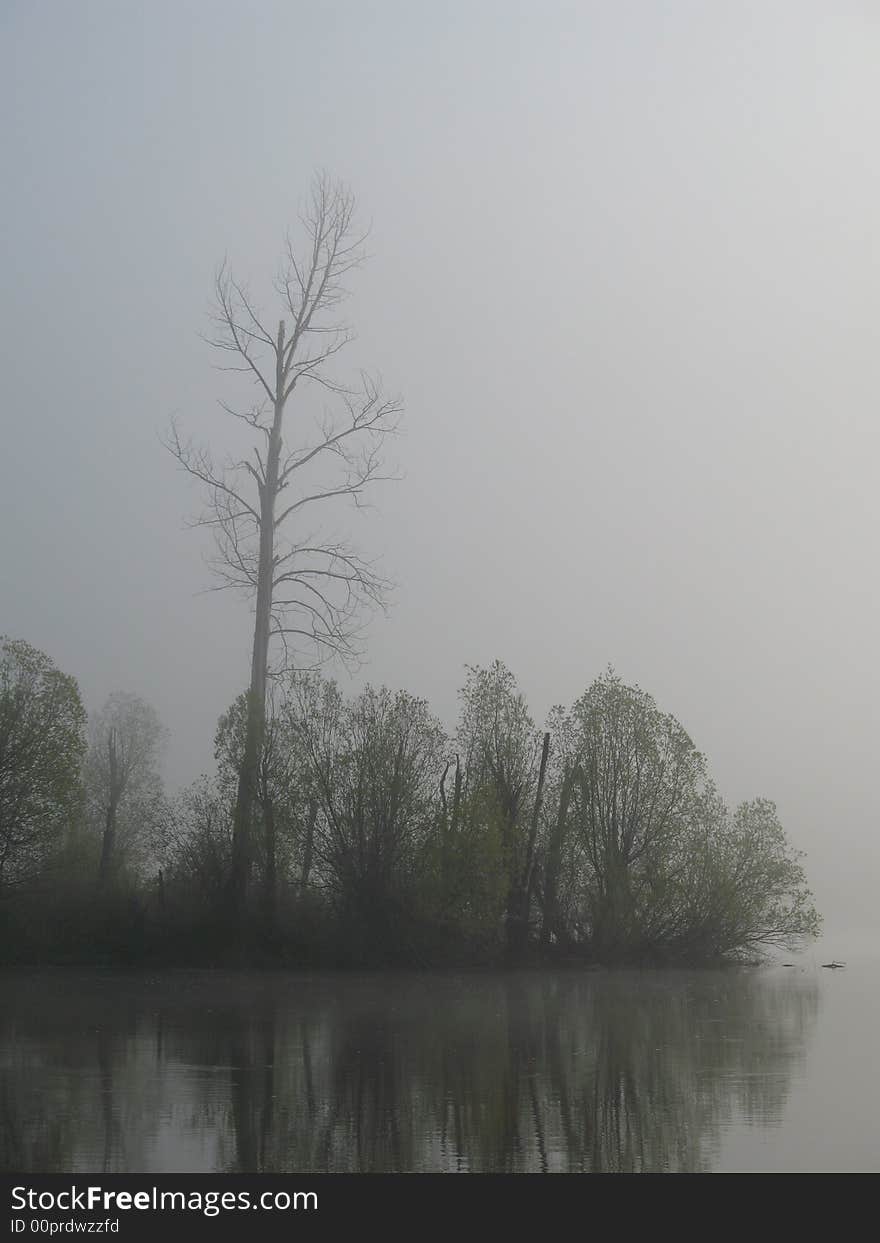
<point x="624" y="272"/>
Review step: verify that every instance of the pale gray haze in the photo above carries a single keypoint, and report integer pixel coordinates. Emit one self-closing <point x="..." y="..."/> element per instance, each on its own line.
<point x="624" y="272"/>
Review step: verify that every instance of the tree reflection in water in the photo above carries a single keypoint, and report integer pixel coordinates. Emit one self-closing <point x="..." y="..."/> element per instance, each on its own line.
<point x="558" y="1071"/>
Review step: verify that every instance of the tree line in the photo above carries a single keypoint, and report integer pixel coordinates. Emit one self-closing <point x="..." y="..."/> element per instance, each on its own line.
<point x="379" y="836"/>
<point x="360" y="828"/>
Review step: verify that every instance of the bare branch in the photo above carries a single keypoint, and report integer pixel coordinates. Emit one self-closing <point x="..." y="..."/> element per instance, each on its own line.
<point x="234" y="335"/>
<point x="370" y="418"/>
<point x="252" y="417"/>
<point x="197" y="461"/>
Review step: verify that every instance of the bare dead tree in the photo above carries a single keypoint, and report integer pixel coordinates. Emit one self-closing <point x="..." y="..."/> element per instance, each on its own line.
<point x="311" y="591"/>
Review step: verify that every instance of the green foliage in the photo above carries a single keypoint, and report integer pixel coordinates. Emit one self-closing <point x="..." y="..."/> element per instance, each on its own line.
<point x="373" y="762"/>
<point x="745" y="885"/>
<point x="465" y="877"/>
<point x="42" y="744"/>
<point x="499" y="743"/>
<point x="664" y="870"/>
<point x="501" y="747"/>
<point x="380" y="839"/>
<point x="638" y="774"/>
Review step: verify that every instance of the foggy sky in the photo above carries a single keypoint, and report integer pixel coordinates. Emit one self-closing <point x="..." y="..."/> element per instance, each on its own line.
<point x="624" y="273"/>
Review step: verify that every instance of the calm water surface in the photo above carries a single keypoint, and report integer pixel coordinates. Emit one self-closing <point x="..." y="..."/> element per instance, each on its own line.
<point x="561" y="1071"/>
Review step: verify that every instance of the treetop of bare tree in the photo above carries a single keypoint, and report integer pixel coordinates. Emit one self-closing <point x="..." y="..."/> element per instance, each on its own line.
<point x="315" y="588"/>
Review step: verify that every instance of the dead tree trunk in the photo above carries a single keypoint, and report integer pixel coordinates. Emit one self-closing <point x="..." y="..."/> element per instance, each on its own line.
<point x="114" y="793"/>
<point x="268" y="486"/>
<point x="308" y="589"/>
<point x="108" y="844"/>
<point x="308" y="846"/>
<point x="270" y="879"/>
<point x="520" y="896"/>
<point x="550" y="920"/>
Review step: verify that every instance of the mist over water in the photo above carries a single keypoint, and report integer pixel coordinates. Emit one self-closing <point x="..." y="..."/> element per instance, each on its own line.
<point x="557" y="1071"/>
<point x="621" y="281"/>
<point x="623" y="273"/>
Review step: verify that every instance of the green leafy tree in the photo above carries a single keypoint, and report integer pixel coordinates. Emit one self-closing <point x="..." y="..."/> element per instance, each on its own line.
<point x="375" y="763"/>
<point x="638" y="776"/>
<point x="744" y="888"/>
<point x="42" y="743"/>
<point x="665" y="871"/>
<point x="464" y="881"/>
<point x="503" y="764"/>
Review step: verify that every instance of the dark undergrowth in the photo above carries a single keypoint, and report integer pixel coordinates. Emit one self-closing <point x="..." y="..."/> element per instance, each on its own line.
<point x="120" y="931"/>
